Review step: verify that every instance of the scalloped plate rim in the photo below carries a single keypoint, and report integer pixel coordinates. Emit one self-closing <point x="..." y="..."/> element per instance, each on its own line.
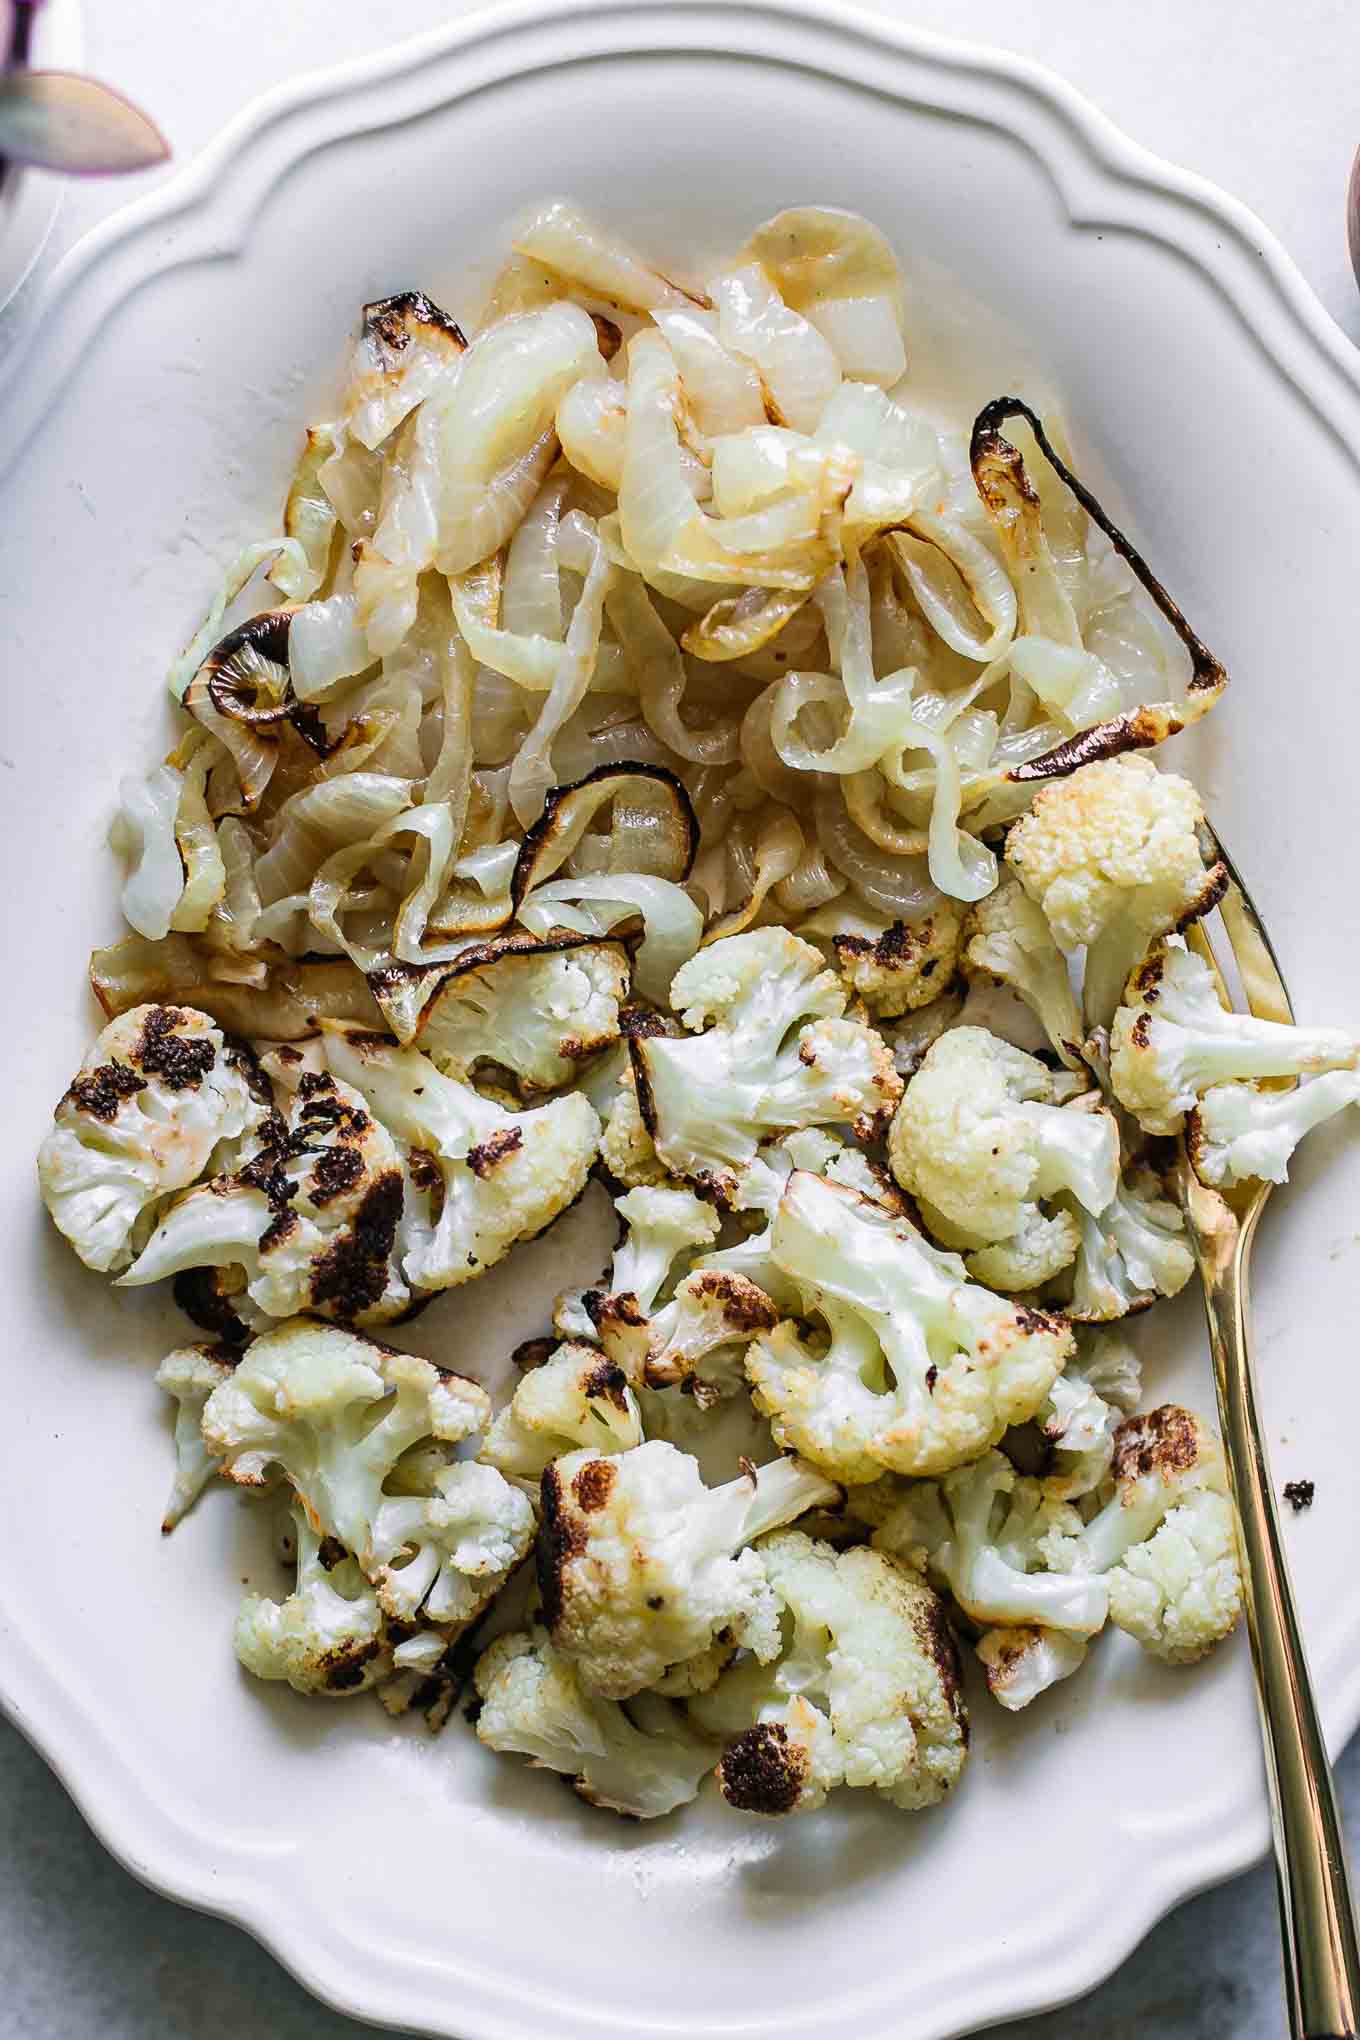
<point x="138" y="1827"/>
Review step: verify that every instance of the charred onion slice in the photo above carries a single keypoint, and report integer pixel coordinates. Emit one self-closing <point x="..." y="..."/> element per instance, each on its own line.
<point x="569" y="810"/>
<point x="458" y="983"/>
<point x="286" y="1007"/>
<point x="242" y="694"/>
<point x="741" y="624"/>
<point x="405" y="346"/>
<point x="1010" y="500"/>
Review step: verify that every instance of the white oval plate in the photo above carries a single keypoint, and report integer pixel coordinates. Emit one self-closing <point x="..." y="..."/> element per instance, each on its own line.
<point x="426" y="1884"/>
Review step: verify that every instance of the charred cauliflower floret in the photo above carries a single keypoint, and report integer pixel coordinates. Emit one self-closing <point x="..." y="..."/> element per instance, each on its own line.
<point x="1112" y="856"/>
<point x="1238" y="1131"/>
<point x="978" y="1139"/>
<point x="578" y="1400"/>
<point x="776" y="1055"/>
<point x="1022" y="1664"/>
<point x="537" y="1009"/>
<point x="1166" y="1540"/>
<point x="864" y="1692"/>
<point x="1099" y="1387"/>
<point x="695" y="1334"/>
<point x="641" y="1757"/>
<point x="1006" y="939"/>
<point x="627" y="1149"/>
<point x="897" y="966"/>
<point x="480" y="1178"/>
<point x="311" y="1217"/>
<point x="157" y="1092"/>
<point x="1173" y="1039"/>
<point x="443" y="1554"/>
<point x="190" y="1374"/>
<point x="327" y="1636"/>
<point x="640" y="1566"/>
<point x="918" y="1370"/>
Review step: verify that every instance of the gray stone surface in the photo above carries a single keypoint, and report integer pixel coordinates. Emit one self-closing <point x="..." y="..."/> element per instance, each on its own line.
<point x="1263" y="100"/>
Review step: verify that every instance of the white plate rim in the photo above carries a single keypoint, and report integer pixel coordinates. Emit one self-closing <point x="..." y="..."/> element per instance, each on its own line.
<point x="207" y="211"/>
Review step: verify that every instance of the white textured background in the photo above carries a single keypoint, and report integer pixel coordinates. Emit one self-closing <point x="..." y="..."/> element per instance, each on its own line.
<point x="1262" y="97"/>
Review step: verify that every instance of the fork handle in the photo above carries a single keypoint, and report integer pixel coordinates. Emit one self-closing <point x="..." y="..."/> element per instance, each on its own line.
<point x="1321" y="1958"/>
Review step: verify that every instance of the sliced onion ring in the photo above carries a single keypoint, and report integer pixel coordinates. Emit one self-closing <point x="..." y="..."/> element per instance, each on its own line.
<point x="569" y="810"/>
<point x="177" y="971"/>
<point x="1007" y="493"/>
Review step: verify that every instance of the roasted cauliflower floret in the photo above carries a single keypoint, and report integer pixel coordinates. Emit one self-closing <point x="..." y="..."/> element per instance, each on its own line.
<point x="335" y="1413"/>
<point x="864" y="1692"/>
<point x="776" y="1055"/>
<point x="642" y="1757"/>
<point x="627" y="1150"/>
<point x="1239" y="1131"/>
<point x="1006" y="939"/>
<point x="480" y="1178"/>
<point x="897" y="966"/>
<point x="311" y="1217"/>
<point x="1166" y="1540"/>
<point x="1131" y="1253"/>
<point x="1045" y="1245"/>
<point x="919" y="1370"/>
<point x="641" y="1566"/>
<point x="578" y="1400"/>
<point x="977" y="1138"/>
<point x="984" y="1534"/>
<point x="537" y="1010"/>
<point x="155" y="1095"/>
<point x="443" y="1555"/>
<point x="1099" y="1387"/>
<point x="190" y="1374"/>
<point x="1172" y="1040"/>
<point x="328" y="1635"/>
<point x="1022" y="1664"/>
<point x="1112" y="856"/>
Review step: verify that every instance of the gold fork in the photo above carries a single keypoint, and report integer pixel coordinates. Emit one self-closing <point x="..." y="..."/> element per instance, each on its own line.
<point x="1321" y="1959"/>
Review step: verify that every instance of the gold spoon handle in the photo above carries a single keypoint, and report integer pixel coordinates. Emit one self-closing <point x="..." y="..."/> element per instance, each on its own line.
<point x="1321" y="1957"/>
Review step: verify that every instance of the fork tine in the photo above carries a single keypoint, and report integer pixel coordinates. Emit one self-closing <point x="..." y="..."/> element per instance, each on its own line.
<point x="1257" y="964"/>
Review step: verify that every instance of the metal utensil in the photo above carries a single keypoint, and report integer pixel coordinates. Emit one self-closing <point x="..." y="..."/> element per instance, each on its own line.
<point x="1321" y="1956"/>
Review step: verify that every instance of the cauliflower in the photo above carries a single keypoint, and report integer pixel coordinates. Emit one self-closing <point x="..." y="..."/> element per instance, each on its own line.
<point x="1166" y="1540"/>
<point x="1085" y="1405"/>
<point x="920" y="1369"/>
<point x="865" y="1690"/>
<point x="910" y="1037"/>
<point x="897" y="966"/>
<point x="1172" y="1039"/>
<point x="445" y="1554"/>
<point x="985" y="1533"/>
<point x="627" y="1150"/>
<point x="481" y="1178"/>
<point x="642" y="1757"/>
<point x="155" y="1095"/>
<point x="190" y="1374"/>
<point x="336" y="1412"/>
<point x="1007" y="940"/>
<point x="328" y="1635"/>
<point x="778" y="1055"/>
<point x="1020" y="1664"/>
<point x="1239" y="1131"/>
<point x="707" y="1315"/>
<point x="535" y="1008"/>
<point x="311" y="1217"/>
<point x="577" y="1399"/>
<point x="976" y="1139"/>
<point x="1112" y="856"/>
<point x="640" y="1565"/>
<point x="697" y="1339"/>
<point x="1044" y="1246"/>
<point x="1131" y="1253"/>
